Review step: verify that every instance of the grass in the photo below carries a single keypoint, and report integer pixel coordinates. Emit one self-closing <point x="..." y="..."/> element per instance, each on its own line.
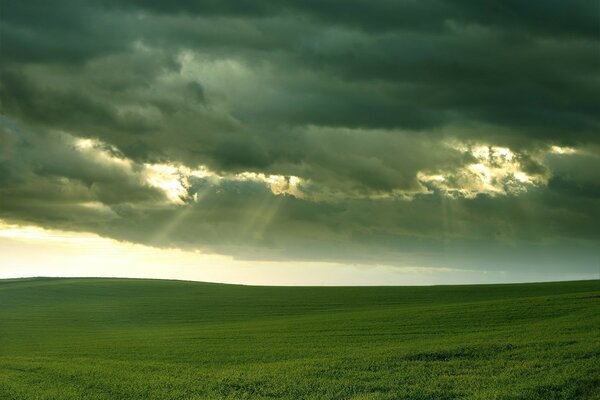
<point x="151" y="339"/>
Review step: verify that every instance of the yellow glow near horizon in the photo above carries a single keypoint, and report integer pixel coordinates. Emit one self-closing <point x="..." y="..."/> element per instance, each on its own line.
<point x="27" y="251"/>
<point x="29" y="232"/>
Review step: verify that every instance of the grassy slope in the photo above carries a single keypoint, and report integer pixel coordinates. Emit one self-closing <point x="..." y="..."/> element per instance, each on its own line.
<point x="144" y="339"/>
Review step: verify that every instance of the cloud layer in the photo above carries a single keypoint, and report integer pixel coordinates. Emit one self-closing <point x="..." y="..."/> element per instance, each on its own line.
<point x="428" y="133"/>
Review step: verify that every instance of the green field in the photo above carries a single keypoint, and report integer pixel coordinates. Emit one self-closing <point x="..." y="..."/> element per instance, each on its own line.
<point x="152" y="339"/>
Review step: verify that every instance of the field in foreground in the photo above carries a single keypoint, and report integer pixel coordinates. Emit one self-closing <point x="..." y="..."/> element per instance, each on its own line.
<point x="151" y="339"/>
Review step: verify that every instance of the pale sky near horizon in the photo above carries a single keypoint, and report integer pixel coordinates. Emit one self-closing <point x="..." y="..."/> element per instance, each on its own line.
<point x="29" y="251"/>
<point x="300" y="142"/>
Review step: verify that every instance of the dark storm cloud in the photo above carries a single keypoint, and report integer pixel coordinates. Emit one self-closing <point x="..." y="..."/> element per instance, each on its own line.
<point x="466" y="61"/>
<point x="358" y="99"/>
<point x="535" y="15"/>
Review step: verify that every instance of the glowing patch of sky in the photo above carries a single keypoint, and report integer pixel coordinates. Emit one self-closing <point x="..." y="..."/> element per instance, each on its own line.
<point x="27" y="251"/>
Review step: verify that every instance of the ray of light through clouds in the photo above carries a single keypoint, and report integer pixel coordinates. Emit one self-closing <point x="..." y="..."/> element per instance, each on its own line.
<point x="300" y="142"/>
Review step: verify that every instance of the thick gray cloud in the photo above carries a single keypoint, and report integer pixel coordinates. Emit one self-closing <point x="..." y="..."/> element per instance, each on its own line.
<point x="382" y="110"/>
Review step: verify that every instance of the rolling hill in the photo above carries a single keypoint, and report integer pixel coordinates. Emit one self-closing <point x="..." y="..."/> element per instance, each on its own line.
<point x="153" y="339"/>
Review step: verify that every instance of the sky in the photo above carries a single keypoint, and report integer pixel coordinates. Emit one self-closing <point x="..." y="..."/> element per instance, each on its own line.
<point x="301" y="142"/>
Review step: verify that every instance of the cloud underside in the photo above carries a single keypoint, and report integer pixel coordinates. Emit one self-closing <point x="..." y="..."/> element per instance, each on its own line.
<point x="379" y="132"/>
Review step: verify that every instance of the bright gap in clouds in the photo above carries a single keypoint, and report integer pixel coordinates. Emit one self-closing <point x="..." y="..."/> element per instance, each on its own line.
<point x="28" y="251"/>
